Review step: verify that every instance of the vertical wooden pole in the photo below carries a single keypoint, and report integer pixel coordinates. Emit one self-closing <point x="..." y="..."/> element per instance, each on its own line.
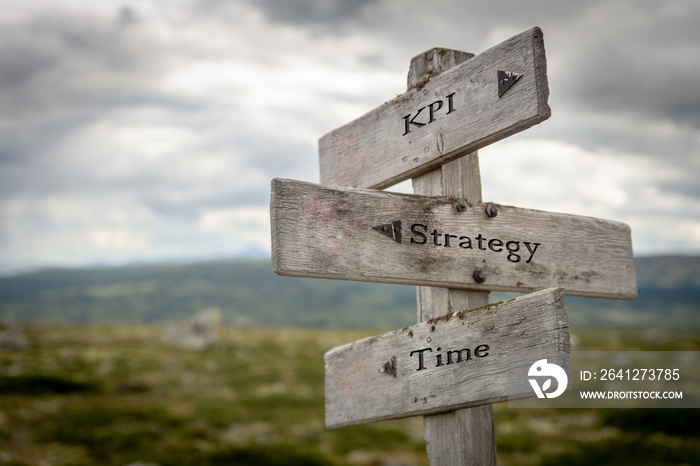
<point x="467" y="436"/>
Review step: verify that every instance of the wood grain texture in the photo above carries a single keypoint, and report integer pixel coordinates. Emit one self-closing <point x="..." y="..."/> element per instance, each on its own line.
<point x="461" y="437"/>
<point x="375" y="151"/>
<point x="457" y="179"/>
<point x="432" y="63"/>
<point x="384" y="377"/>
<point x="324" y="232"/>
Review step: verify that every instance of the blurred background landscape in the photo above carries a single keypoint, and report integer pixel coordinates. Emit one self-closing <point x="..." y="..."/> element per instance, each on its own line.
<point x="91" y="372"/>
<point x="248" y="293"/>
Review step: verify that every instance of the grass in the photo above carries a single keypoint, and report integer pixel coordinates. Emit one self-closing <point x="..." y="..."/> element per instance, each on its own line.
<point x="115" y="395"/>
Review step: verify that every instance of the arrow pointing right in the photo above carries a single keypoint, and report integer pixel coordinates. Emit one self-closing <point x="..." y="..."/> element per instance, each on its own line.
<point x="505" y="80"/>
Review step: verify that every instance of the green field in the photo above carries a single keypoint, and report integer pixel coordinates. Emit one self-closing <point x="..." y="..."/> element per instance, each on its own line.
<point x="119" y="394"/>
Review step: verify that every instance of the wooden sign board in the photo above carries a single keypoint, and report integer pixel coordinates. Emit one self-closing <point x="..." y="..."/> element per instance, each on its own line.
<point x="377" y="236"/>
<point x="451" y="362"/>
<point x="500" y="92"/>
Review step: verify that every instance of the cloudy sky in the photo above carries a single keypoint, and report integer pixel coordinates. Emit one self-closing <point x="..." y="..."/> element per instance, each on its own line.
<point x="139" y="131"/>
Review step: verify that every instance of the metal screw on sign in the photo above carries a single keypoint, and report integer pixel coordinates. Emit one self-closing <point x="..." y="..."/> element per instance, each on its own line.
<point x="462" y="205"/>
<point x="479" y="276"/>
<point x="491" y="210"/>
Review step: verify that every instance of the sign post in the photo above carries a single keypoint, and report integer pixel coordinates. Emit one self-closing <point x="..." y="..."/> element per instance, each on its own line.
<point x="465" y="436"/>
<point x="450" y="367"/>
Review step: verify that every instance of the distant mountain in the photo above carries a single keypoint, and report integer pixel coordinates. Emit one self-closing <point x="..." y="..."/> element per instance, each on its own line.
<point x="668" y="295"/>
<point x="248" y="293"/>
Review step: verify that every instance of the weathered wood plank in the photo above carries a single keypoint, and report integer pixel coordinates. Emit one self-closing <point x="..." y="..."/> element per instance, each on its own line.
<point x="451" y="362"/>
<point x="353" y="234"/>
<point x="449" y="116"/>
<point x="462" y="437"/>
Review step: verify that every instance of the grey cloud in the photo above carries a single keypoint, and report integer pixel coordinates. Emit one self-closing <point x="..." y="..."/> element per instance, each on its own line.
<point x="688" y="188"/>
<point x="620" y="85"/>
<point x="325" y="13"/>
<point x="29" y="162"/>
<point x="173" y="193"/>
<point x="190" y="208"/>
<point x="22" y="58"/>
<point x="267" y="159"/>
<point x="645" y="64"/>
<point x="59" y="74"/>
<point x="54" y="61"/>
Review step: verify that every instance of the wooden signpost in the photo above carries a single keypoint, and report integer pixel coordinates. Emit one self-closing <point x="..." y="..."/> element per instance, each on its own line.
<point x="456" y="361"/>
<point x="452" y="367"/>
<point x="493" y="95"/>
<point x="376" y="236"/>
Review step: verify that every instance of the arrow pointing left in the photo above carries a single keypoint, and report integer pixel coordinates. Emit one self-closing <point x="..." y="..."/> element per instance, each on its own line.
<point x="392" y="230"/>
